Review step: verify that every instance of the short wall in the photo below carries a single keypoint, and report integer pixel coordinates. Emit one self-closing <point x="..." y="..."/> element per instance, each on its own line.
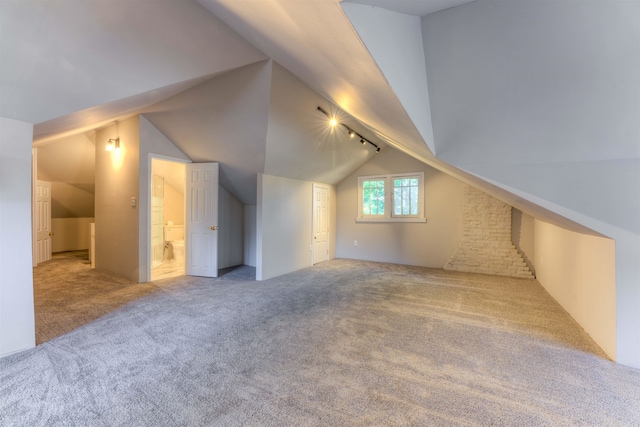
<point x="70" y="234"/>
<point x="285" y="225"/>
<point x="250" y="235"/>
<point x="578" y="270"/>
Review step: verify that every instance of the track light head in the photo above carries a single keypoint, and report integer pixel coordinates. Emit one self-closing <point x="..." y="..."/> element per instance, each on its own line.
<point x="351" y="133"/>
<point x="362" y="141"/>
<point x="378" y="150"/>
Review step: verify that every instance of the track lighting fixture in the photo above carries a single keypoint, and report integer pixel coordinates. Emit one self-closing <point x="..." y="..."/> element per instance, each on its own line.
<point x="352" y="133"/>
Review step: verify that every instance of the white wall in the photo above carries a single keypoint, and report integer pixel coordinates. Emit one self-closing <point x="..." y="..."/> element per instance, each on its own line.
<point x="250" y="235"/>
<point x="71" y="234"/>
<point x="230" y="234"/>
<point x="222" y="120"/>
<point x="117" y="181"/>
<point x="173" y="205"/>
<point x="427" y="244"/>
<point x="285" y="226"/>
<point x="578" y="270"/>
<point x="541" y="81"/>
<point x="152" y="143"/>
<point x="540" y="98"/>
<point x="17" y="325"/>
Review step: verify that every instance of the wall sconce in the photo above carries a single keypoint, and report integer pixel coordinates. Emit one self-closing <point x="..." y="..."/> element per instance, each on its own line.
<point x="352" y="133"/>
<point x="113" y="144"/>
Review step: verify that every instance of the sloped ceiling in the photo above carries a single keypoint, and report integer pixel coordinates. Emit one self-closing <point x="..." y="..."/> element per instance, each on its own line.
<point x="65" y="63"/>
<point x="261" y="119"/>
<point x="412" y="7"/>
<point x="222" y="120"/>
<point x="63" y="57"/>
<point x="315" y="41"/>
<point x="69" y="164"/>
<point x="300" y="143"/>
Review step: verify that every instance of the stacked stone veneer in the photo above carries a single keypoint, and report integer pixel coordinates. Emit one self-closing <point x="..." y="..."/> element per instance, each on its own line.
<point x="486" y="245"/>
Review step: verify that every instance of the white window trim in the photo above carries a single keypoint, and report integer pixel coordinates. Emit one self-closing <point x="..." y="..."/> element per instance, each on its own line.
<point x="388" y="199"/>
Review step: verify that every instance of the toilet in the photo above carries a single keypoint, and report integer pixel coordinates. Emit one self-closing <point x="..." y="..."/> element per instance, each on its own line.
<point x="174" y="238"/>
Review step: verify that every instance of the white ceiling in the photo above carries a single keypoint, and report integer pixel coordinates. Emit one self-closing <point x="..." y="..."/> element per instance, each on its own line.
<point x="65" y="64"/>
<point x="70" y="159"/>
<point x="412" y="7"/>
<point x="62" y="57"/>
<point x="315" y="41"/>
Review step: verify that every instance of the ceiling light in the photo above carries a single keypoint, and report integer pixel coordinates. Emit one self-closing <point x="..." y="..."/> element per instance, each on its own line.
<point x="352" y="133"/>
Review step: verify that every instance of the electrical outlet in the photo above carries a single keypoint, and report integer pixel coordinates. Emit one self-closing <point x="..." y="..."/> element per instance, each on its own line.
<point x="355" y="243"/>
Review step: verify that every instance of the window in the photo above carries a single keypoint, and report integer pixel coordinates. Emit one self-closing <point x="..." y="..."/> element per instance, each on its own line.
<point x="391" y="198"/>
<point x="373" y="197"/>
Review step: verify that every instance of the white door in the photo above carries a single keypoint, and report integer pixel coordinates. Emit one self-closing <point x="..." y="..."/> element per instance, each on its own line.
<point x="320" y="223"/>
<point x="43" y="221"/>
<point x="201" y="223"/>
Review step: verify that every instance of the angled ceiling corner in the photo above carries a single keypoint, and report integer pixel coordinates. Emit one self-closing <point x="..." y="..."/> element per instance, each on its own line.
<point x="300" y="143"/>
<point x="394" y="41"/>
<point x="223" y="119"/>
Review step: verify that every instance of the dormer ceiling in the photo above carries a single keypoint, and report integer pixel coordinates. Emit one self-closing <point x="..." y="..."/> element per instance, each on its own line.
<point x="64" y="63"/>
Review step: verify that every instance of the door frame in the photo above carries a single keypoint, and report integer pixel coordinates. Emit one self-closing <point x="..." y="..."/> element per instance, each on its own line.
<point x="149" y="195"/>
<point x="313" y="219"/>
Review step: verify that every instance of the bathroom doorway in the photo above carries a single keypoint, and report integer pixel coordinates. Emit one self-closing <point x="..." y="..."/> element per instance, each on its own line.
<point x="167" y="218"/>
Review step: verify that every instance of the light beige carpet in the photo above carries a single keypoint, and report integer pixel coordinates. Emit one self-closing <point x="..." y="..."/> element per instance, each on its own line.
<point x="343" y="343"/>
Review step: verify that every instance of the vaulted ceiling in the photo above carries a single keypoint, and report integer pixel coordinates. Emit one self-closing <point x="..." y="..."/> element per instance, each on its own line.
<point x="492" y="92"/>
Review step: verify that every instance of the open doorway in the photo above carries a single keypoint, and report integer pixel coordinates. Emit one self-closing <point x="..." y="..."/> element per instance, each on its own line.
<point x="167" y="218"/>
<point x="63" y="199"/>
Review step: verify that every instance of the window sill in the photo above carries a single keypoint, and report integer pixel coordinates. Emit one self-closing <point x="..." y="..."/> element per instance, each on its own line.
<point x="383" y="220"/>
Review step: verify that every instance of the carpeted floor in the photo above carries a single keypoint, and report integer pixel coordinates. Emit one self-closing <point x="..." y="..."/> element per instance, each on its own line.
<point x="341" y="343"/>
<point x="68" y="293"/>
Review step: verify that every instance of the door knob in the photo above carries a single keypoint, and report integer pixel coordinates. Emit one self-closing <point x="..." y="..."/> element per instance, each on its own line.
<point x="213" y="228"/>
<point x="51" y="233"/>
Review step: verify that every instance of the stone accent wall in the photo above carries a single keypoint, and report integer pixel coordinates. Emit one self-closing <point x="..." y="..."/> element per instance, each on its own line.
<point x="486" y="245"/>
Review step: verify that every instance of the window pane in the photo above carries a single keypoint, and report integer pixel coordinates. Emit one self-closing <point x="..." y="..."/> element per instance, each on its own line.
<point x="414" y="200"/>
<point x="405" y="196"/>
<point x="406" y="201"/>
<point x="373" y="197"/>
